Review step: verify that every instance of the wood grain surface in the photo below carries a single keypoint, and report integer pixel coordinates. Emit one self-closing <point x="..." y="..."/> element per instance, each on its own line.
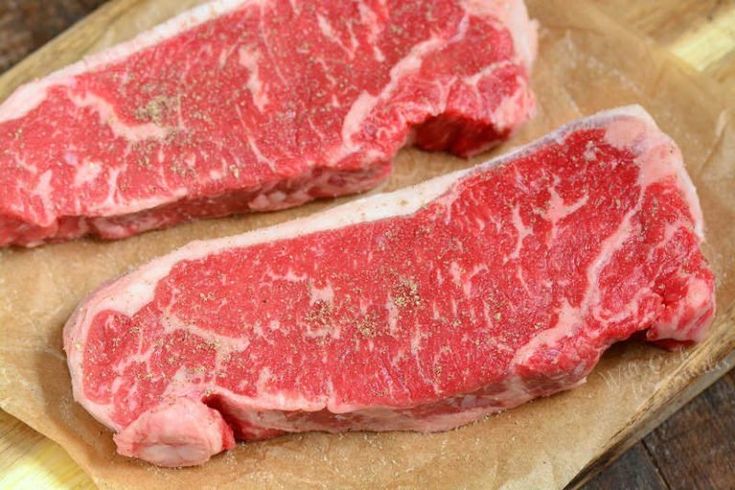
<point x="692" y="449"/>
<point x="700" y="32"/>
<point x="28" y="24"/>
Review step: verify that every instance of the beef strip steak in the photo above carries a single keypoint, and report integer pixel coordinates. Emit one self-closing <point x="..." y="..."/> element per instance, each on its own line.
<point x="244" y="105"/>
<point x="422" y="309"/>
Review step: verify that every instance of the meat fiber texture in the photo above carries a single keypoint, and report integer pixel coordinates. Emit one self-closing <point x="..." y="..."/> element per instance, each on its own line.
<point x="242" y="105"/>
<point x="423" y="309"/>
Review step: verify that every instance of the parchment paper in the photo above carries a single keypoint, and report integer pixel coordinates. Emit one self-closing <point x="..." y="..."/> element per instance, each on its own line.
<point x="586" y="63"/>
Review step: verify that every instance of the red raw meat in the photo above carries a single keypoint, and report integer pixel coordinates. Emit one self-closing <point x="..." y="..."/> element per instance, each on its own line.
<point x="422" y="309"/>
<point x="243" y="105"/>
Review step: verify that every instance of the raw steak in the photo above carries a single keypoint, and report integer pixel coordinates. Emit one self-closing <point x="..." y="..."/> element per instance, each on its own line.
<point x="422" y="309"/>
<point x="244" y="105"/>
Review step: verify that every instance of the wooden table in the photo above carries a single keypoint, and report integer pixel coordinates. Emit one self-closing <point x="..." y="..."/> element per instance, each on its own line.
<point x="692" y="449"/>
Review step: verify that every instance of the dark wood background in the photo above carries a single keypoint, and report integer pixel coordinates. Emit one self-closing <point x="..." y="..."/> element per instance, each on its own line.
<point x="693" y="449"/>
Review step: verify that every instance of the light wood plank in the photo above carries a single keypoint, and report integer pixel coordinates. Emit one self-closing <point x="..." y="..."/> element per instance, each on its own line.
<point x="700" y="32"/>
<point x="30" y="461"/>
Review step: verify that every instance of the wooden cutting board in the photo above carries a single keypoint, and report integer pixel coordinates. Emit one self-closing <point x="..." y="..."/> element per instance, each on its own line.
<point x="696" y="31"/>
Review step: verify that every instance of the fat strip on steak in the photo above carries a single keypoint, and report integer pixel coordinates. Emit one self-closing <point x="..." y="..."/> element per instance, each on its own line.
<point x="422" y="309"/>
